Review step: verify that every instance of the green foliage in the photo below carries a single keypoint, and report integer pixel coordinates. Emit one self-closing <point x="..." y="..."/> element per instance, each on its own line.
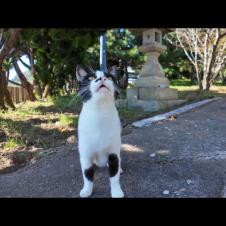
<point x="72" y="102"/>
<point x="181" y="82"/>
<point x="120" y="45"/>
<point x="56" y="53"/>
<point x="175" y="63"/>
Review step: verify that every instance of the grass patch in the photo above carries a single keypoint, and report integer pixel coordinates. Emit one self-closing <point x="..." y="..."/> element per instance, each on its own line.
<point x="187" y="90"/>
<point x="181" y="82"/>
<point x="68" y="120"/>
<point x="37" y="125"/>
<point x="10" y="144"/>
<point x="218" y="83"/>
<point x="21" y="157"/>
<point x="34" y="124"/>
<point x="72" y="103"/>
<point x="129" y="115"/>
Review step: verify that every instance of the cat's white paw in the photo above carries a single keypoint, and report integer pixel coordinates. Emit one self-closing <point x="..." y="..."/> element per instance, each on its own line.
<point x="117" y="193"/>
<point x="86" y="192"/>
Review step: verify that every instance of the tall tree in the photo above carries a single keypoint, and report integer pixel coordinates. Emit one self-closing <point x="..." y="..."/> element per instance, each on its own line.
<point x="25" y="83"/>
<point x="8" y="39"/>
<point x="54" y="53"/>
<point x="175" y="63"/>
<point x="205" y="49"/>
<point x="122" y="51"/>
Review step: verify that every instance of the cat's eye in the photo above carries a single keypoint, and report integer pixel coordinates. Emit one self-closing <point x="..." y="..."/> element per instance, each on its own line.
<point x="109" y="77"/>
<point x="91" y="78"/>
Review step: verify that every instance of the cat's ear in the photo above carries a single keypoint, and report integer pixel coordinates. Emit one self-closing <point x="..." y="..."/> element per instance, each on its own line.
<point x="113" y="70"/>
<point x="91" y="70"/>
<point x="81" y="72"/>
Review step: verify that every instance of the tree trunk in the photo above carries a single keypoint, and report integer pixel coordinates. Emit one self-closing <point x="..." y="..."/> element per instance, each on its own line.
<point x="4" y="93"/>
<point x="9" y="99"/>
<point x="206" y="82"/>
<point x="37" y="84"/>
<point x="205" y="85"/>
<point x="8" y="45"/>
<point x="34" y="73"/>
<point x="45" y="92"/>
<point x="198" y="77"/>
<point x="27" y="85"/>
<point x="123" y="76"/>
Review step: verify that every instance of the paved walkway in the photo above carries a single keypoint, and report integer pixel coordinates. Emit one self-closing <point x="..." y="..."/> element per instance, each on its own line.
<point x="185" y="157"/>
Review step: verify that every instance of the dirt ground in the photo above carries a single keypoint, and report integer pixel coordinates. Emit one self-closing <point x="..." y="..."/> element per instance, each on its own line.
<point x="182" y="157"/>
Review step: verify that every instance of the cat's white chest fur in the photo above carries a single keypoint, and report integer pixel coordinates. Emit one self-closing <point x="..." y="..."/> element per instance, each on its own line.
<point x="99" y="130"/>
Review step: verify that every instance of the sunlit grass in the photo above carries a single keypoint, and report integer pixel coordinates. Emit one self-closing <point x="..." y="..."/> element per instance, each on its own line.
<point x="68" y="120"/>
<point x="35" y="123"/>
<point x="11" y="143"/>
<point x="187" y="90"/>
<point x="182" y="82"/>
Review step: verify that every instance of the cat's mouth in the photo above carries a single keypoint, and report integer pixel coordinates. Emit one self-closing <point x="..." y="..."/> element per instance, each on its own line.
<point x="102" y="87"/>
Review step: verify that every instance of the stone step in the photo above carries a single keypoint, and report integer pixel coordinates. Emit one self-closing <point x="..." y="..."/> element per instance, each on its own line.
<point x="150" y="81"/>
<point x="148" y="105"/>
<point x="157" y="93"/>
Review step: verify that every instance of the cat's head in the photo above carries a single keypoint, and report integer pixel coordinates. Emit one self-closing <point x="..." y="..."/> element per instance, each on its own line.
<point x="96" y="85"/>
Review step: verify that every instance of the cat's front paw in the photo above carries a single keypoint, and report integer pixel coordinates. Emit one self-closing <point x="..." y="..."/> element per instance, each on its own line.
<point x="117" y="193"/>
<point x="86" y="192"/>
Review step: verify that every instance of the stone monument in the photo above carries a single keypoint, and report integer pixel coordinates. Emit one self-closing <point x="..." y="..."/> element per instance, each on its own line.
<point x="151" y="90"/>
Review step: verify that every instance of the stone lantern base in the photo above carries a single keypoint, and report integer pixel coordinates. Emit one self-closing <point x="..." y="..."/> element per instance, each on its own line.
<point x="133" y="102"/>
<point x="152" y="99"/>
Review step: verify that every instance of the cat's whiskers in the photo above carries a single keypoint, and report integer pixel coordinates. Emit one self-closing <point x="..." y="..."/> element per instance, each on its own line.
<point x="82" y="91"/>
<point x="75" y="99"/>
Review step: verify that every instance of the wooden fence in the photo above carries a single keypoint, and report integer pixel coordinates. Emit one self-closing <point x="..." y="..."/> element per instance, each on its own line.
<point x="18" y="94"/>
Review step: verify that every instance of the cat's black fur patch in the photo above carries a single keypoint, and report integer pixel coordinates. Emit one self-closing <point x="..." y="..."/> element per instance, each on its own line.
<point x="113" y="163"/>
<point x="116" y="94"/>
<point x="86" y="95"/>
<point x="89" y="173"/>
<point x="97" y="79"/>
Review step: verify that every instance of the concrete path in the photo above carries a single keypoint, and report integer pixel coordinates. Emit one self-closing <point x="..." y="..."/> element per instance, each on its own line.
<point x="184" y="157"/>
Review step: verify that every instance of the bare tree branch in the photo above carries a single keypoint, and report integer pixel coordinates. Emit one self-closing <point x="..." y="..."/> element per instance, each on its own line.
<point x="8" y="45"/>
<point x="205" y="49"/>
<point x="15" y="83"/>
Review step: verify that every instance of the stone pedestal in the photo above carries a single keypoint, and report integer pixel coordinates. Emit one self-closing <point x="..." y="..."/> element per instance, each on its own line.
<point x="151" y="91"/>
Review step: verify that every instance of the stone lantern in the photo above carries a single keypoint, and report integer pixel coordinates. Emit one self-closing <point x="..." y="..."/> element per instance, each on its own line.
<point x="151" y="91"/>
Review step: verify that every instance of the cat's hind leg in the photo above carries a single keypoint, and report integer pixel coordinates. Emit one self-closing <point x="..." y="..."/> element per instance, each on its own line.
<point x="114" y="163"/>
<point x="121" y="170"/>
<point x="88" y="176"/>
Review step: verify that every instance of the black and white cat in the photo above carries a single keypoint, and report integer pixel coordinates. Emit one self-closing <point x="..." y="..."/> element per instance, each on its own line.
<point x="99" y="128"/>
